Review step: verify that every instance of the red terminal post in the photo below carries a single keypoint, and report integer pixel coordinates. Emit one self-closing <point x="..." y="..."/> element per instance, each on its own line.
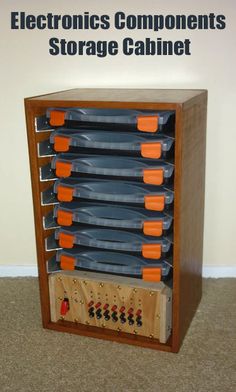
<point x="90" y="304"/>
<point x="106" y="306"/>
<point x="98" y="304"/>
<point x="138" y="313"/>
<point x="130" y="311"/>
<point x="64" y="307"/>
<point x="114" y="307"/>
<point x="122" y="309"/>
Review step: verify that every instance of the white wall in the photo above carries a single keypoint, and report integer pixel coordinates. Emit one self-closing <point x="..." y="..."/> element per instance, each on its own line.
<point x="27" y="69"/>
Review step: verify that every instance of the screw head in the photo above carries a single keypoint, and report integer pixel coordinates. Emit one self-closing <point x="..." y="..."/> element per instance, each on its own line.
<point x="74" y="280"/>
<point x="151" y="293"/>
<point x="101" y="284"/>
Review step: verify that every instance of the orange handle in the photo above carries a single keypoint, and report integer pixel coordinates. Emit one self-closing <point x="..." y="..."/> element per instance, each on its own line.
<point x="66" y="240"/>
<point x="151" y="274"/>
<point x="64" y="193"/>
<point x="151" y="150"/>
<point x="154" y="228"/>
<point x="63" y="169"/>
<point x="147" y="123"/>
<point x="67" y="263"/>
<point x="57" y="118"/>
<point x="154" y="203"/>
<point x="153" y="176"/>
<point x="64" y="218"/>
<point x="151" y="251"/>
<point x="61" y="143"/>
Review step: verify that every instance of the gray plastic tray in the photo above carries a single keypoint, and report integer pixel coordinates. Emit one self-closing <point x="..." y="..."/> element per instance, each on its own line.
<point x="152" y="197"/>
<point x="150" y="247"/>
<point x="146" y="145"/>
<point x="152" y="223"/>
<point x="147" y="121"/>
<point x="152" y="172"/>
<point x="112" y="262"/>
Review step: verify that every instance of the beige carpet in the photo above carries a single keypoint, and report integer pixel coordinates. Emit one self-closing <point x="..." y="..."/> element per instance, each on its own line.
<point x="33" y="359"/>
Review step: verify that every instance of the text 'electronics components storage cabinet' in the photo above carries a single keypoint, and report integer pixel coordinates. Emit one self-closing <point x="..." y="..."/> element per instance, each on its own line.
<point x="118" y="191"/>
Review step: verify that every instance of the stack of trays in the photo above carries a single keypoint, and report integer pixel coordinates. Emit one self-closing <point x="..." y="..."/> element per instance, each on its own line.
<point x="114" y="185"/>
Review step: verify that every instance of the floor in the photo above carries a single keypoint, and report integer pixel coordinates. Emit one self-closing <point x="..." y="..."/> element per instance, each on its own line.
<point x="34" y="359"/>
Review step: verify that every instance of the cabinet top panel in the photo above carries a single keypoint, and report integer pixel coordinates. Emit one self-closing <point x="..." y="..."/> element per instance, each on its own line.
<point x="167" y="96"/>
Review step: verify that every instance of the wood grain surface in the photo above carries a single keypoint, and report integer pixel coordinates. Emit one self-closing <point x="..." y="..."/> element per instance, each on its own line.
<point x="80" y="288"/>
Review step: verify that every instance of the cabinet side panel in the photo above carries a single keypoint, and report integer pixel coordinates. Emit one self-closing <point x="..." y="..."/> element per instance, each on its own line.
<point x="191" y="208"/>
<point x="31" y="112"/>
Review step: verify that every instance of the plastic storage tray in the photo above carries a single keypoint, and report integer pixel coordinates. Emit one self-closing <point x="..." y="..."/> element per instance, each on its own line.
<point x="145" y="145"/>
<point x="146" y="169"/>
<point x="149" y="247"/>
<point x="152" y="223"/>
<point x="145" y="121"/>
<point x="113" y="263"/>
<point x="150" y="196"/>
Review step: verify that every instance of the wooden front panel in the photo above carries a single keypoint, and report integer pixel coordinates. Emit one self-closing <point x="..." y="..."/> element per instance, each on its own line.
<point x="80" y="289"/>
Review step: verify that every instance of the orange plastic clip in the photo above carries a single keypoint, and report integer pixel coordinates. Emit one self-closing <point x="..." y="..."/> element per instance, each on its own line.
<point x="154" y="228"/>
<point x="67" y="263"/>
<point x="153" y="176"/>
<point x="64" y="218"/>
<point x="147" y="123"/>
<point x="66" y="240"/>
<point x="154" y="203"/>
<point x="151" y="150"/>
<point x="61" y="143"/>
<point x="151" y="251"/>
<point x="57" y="118"/>
<point x="63" y="169"/>
<point x="64" y="193"/>
<point x="151" y="274"/>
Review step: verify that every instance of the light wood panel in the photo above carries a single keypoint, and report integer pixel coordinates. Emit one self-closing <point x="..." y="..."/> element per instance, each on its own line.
<point x="80" y="288"/>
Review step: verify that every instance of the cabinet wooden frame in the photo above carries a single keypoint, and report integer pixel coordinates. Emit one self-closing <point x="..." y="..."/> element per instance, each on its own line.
<point x="190" y="107"/>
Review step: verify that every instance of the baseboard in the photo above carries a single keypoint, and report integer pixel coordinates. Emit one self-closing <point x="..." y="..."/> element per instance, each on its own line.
<point x="219" y="272"/>
<point x="31" y="270"/>
<point x="18" y="270"/>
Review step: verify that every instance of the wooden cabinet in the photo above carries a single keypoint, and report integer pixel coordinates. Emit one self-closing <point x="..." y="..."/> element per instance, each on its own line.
<point x="190" y="108"/>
